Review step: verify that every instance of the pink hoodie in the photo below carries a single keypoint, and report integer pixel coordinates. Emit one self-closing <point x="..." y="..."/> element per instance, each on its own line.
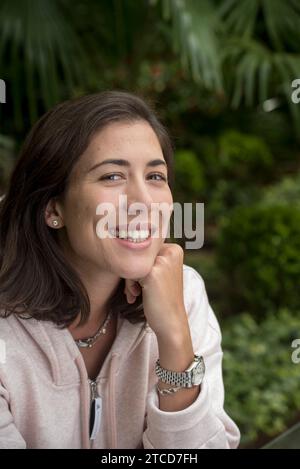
<point x="45" y="394"/>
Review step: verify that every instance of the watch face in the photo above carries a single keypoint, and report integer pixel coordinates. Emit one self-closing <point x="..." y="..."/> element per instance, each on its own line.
<point x="198" y="372"/>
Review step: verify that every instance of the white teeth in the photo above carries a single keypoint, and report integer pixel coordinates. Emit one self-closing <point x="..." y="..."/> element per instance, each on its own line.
<point x="122" y="234"/>
<point x="134" y="235"/>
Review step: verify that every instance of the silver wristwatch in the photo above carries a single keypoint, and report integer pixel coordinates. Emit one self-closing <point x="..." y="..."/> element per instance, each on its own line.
<point x="192" y="376"/>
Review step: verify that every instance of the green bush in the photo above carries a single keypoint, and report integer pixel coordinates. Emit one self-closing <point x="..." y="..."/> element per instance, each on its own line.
<point x="237" y="166"/>
<point x="261" y="381"/>
<point x="189" y="180"/>
<point x="242" y="156"/>
<point x="286" y="192"/>
<point x="258" y="250"/>
<point x="228" y="194"/>
<point x="6" y="161"/>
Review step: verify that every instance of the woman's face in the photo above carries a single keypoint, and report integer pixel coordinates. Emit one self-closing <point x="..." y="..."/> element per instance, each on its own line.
<point x="90" y="185"/>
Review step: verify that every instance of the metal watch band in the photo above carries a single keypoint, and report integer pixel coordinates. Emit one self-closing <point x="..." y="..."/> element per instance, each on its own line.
<point x="181" y="379"/>
<point x="167" y="392"/>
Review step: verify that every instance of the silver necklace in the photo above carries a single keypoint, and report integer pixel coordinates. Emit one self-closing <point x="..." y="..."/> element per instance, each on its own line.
<point x="89" y="342"/>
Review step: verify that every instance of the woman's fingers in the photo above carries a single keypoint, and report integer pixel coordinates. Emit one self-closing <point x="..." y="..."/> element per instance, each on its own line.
<point x="132" y="290"/>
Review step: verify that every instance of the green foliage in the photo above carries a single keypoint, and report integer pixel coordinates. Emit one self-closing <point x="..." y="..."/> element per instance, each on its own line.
<point x="238" y="164"/>
<point x="286" y="192"/>
<point x="195" y="31"/>
<point x="54" y="49"/>
<point x="261" y="381"/>
<point x="258" y="65"/>
<point x="189" y="182"/>
<point x="6" y="161"/>
<point x="226" y="195"/>
<point x="259" y="252"/>
<point x="242" y="156"/>
<point x="40" y="55"/>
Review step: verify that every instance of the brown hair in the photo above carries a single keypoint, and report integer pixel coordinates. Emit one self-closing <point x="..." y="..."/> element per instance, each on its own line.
<point x="35" y="278"/>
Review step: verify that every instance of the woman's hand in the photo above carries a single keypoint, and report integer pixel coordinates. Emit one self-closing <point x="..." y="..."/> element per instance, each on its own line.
<point x="162" y="291"/>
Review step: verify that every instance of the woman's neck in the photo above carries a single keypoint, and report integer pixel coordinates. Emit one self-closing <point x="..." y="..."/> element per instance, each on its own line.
<point x="100" y="286"/>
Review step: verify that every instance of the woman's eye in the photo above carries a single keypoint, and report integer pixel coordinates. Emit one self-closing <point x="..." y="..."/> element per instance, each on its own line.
<point x="103" y="178"/>
<point x="109" y="177"/>
<point x="161" y="176"/>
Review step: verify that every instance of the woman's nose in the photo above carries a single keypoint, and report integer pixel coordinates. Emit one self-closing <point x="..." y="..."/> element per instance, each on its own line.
<point x="138" y="192"/>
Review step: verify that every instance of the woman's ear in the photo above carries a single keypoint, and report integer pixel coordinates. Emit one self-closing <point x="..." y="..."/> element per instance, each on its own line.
<point x="54" y="213"/>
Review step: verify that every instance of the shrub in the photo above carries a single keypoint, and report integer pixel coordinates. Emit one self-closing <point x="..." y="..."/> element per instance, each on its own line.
<point x="258" y="250"/>
<point x="189" y="182"/>
<point x="242" y="156"/>
<point x="237" y="167"/>
<point x="226" y="195"/>
<point x="286" y="192"/>
<point x="261" y="381"/>
<point x="6" y="161"/>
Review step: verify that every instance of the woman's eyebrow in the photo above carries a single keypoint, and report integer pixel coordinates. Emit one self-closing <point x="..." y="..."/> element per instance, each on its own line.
<point x="121" y="162"/>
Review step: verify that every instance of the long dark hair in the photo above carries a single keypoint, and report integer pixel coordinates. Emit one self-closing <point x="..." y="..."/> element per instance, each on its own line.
<point x="36" y="279"/>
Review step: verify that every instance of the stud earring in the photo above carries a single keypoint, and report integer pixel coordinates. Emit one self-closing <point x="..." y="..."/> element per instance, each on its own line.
<point x="55" y="223"/>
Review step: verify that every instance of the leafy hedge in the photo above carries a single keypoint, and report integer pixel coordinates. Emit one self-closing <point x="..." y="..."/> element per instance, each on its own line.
<point x="261" y="381"/>
<point x="244" y="157"/>
<point x="259" y="254"/>
<point x="237" y="165"/>
<point x="285" y="192"/>
<point x="6" y="161"/>
<point x="189" y="182"/>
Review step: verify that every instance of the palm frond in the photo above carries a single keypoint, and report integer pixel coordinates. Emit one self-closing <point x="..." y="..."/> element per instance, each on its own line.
<point x="196" y="32"/>
<point x="259" y="74"/>
<point x="41" y="50"/>
<point x="262" y="50"/>
<point x="251" y="65"/>
<point x="282" y="19"/>
<point x="239" y="16"/>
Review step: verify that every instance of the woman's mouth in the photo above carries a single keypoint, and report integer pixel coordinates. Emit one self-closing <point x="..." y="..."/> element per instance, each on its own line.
<point x="133" y="239"/>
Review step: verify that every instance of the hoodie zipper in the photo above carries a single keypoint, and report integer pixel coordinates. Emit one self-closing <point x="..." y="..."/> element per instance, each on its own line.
<point x="95" y="410"/>
<point x="96" y="401"/>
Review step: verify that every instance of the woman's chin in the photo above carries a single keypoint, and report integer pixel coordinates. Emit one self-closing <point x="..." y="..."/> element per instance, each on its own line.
<point x="133" y="272"/>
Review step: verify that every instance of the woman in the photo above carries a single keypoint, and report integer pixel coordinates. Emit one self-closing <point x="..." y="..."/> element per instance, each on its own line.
<point x="95" y="327"/>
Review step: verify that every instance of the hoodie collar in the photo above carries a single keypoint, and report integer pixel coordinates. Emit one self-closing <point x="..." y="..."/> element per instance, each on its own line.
<point x="58" y="350"/>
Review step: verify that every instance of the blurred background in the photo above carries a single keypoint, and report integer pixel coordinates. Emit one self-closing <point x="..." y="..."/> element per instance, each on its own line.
<point x="220" y="73"/>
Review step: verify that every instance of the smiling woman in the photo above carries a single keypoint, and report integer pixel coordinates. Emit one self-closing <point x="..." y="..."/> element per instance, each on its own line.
<point x="89" y="323"/>
<point x="61" y="172"/>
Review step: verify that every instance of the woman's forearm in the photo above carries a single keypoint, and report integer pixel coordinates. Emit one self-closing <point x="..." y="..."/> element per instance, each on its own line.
<point x="176" y="355"/>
